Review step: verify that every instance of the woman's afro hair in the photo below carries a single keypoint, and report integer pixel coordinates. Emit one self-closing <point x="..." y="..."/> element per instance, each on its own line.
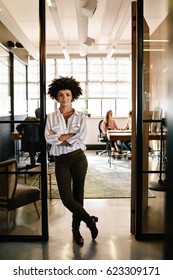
<point x="65" y="83"/>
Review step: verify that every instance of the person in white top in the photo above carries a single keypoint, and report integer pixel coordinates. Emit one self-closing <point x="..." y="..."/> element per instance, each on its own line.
<point x="110" y="123"/>
<point x="128" y="144"/>
<point x="65" y="131"/>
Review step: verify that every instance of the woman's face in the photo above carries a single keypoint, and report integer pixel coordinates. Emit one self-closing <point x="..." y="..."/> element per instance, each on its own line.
<point x="64" y="97"/>
<point x="110" y="114"/>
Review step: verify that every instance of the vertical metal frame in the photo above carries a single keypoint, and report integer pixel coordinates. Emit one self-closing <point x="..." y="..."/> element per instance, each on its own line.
<point x="139" y="235"/>
<point x="168" y="249"/>
<point x="11" y="81"/>
<point x="44" y="207"/>
<point x="139" y="110"/>
<point x="42" y="47"/>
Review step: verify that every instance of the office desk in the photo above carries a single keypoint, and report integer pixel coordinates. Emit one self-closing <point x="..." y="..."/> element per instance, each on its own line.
<point x="114" y="135"/>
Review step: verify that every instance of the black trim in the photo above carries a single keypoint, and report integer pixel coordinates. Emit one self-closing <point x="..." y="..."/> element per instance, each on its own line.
<point x="139" y="140"/>
<point x="95" y="146"/>
<point x="44" y="206"/>
<point x="42" y="47"/>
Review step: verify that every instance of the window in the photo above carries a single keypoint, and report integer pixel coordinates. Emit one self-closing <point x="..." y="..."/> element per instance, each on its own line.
<point x="106" y="83"/>
<point x="19" y="87"/>
<point x="4" y="83"/>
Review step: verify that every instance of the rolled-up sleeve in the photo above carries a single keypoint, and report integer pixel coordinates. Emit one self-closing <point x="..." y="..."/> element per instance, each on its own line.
<point x="50" y="135"/>
<point x="82" y="130"/>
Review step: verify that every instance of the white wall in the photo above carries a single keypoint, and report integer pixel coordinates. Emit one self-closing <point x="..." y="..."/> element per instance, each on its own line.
<point x="92" y="128"/>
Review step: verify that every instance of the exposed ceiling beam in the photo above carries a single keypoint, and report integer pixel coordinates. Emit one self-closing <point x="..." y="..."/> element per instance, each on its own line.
<point x="55" y="15"/>
<point x="121" y="22"/>
<point x="84" y="40"/>
<point x="10" y="23"/>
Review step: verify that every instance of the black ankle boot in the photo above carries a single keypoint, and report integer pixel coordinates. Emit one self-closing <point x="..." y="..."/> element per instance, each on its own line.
<point x="93" y="228"/>
<point x="77" y="237"/>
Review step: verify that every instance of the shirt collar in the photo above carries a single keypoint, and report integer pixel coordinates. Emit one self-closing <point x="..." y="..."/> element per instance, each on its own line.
<point x="59" y="113"/>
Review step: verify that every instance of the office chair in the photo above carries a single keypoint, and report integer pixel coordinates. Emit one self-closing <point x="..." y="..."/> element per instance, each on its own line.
<point x="30" y="138"/>
<point x="102" y="139"/>
<point x="12" y="194"/>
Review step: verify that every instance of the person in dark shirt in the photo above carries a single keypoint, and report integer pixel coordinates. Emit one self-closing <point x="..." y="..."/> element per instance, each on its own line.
<point x="30" y="133"/>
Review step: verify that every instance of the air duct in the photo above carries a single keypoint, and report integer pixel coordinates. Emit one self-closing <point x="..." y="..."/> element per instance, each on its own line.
<point x="82" y="20"/>
<point x="90" y="8"/>
<point x="89" y="41"/>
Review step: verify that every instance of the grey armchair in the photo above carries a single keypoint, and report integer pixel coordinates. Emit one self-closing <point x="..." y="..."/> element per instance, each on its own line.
<point x="12" y="194"/>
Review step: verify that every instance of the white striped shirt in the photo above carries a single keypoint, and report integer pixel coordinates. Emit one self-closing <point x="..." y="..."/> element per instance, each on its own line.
<point x="76" y="124"/>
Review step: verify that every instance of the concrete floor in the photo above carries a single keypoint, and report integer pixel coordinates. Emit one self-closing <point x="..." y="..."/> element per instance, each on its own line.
<point x="114" y="242"/>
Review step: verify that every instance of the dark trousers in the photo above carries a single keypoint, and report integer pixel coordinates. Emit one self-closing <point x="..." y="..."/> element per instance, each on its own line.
<point x="32" y="148"/>
<point x="127" y="145"/>
<point x="70" y="172"/>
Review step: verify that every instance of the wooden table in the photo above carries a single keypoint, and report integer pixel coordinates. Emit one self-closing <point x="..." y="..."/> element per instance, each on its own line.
<point x="114" y="135"/>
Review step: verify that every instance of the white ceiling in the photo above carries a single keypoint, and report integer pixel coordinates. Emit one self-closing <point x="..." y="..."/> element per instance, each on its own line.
<point x="109" y="26"/>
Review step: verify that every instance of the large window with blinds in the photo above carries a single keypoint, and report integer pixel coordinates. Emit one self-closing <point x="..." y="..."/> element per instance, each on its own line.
<point x="106" y="83"/>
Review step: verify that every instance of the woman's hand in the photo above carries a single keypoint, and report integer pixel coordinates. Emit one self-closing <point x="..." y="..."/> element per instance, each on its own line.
<point x="51" y="132"/>
<point x="65" y="143"/>
<point x="65" y="137"/>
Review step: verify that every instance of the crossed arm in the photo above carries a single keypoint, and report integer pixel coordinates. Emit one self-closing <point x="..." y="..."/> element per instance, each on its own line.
<point x="63" y="137"/>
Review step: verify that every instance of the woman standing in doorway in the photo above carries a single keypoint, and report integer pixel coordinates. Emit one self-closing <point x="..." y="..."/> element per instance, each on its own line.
<point x="65" y="131"/>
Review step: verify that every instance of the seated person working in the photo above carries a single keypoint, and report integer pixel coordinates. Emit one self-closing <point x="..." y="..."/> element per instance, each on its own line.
<point x="127" y="144"/>
<point x="30" y="136"/>
<point x="110" y="123"/>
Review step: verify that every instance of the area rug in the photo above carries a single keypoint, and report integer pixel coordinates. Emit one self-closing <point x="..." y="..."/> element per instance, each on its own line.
<point x="102" y="181"/>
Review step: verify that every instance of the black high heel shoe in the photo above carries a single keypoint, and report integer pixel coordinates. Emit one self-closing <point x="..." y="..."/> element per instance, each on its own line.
<point x="93" y="228"/>
<point x="77" y="237"/>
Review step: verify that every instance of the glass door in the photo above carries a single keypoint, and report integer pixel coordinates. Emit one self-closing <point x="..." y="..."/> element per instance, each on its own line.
<point x="22" y="217"/>
<point x="151" y="131"/>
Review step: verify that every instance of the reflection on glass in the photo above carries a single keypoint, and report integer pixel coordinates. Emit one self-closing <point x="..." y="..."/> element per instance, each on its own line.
<point x="4" y="82"/>
<point x="24" y="220"/>
<point x="154" y="111"/>
<point x="19" y="87"/>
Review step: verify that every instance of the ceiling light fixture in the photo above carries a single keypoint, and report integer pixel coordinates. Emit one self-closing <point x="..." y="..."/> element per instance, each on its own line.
<point x="153" y="50"/>
<point x="49" y="3"/>
<point x="157" y="41"/>
<point x="15" y="45"/>
<point x="110" y="53"/>
<point x="66" y="55"/>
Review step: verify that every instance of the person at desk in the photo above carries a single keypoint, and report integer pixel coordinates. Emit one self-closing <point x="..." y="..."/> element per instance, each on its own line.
<point x="65" y="131"/>
<point x="128" y="144"/>
<point x="30" y="133"/>
<point x="110" y="124"/>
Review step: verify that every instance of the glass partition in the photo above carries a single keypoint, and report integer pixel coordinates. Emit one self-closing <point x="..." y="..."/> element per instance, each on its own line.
<point x="4" y="82"/>
<point x="23" y="219"/>
<point x="154" y="113"/>
<point x="20" y="87"/>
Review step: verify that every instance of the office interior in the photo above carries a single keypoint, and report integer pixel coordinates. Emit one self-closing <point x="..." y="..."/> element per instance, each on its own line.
<point x="121" y="51"/>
